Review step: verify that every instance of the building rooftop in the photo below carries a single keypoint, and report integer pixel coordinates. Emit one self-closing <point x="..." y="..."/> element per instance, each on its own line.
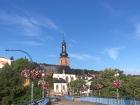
<point x="60" y="80"/>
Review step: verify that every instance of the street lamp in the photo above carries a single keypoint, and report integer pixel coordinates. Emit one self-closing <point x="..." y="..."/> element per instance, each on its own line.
<point x="116" y="84"/>
<point x="43" y="75"/>
<point x="26" y="73"/>
<point x="22" y="52"/>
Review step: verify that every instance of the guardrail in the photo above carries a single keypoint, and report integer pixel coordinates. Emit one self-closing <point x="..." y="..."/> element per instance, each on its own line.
<point x="42" y="101"/>
<point x="106" y="100"/>
<point x="70" y="98"/>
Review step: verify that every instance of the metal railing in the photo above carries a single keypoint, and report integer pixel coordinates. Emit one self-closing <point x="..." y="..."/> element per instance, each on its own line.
<point x="107" y="100"/>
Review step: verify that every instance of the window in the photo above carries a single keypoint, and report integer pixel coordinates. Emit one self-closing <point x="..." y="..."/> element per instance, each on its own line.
<point x="72" y="78"/>
<point x="57" y="87"/>
<point x="63" y="87"/>
<point x="67" y="79"/>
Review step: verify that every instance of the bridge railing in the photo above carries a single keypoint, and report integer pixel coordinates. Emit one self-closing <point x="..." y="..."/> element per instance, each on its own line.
<point x="42" y="101"/>
<point x="106" y="100"/>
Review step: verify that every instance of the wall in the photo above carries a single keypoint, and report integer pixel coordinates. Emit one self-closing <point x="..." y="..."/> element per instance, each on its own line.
<point x="4" y="61"/>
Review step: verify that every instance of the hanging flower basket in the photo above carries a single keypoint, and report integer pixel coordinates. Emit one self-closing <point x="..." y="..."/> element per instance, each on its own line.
<point x="116" y="84"/>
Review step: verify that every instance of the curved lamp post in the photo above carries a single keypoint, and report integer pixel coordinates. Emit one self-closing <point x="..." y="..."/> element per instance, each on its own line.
<point x="116" y="84"/>
<point x="22" y="52"/>
<point x="25" y="73"/>
<point x="43" y="75"/>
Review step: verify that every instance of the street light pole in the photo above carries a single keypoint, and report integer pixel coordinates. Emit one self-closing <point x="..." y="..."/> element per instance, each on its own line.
<point x="43" y="93"/>
<point x="32" y="91"/>
<point x="22" y="52"/>
<point x="32" y="85"/>
<point x="117" y="91"/>
<point x="117" y="96"/>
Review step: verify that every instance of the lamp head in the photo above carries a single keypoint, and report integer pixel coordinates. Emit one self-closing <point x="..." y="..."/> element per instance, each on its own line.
<point x="43" y="74"/>
<point x="117" y="74"/>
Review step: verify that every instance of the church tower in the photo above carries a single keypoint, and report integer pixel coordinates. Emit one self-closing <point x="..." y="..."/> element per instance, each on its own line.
<point x="64" y="59"/>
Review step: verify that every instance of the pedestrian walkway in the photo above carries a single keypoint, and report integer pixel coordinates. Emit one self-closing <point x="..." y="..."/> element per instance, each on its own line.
<point x="66" y="102"/>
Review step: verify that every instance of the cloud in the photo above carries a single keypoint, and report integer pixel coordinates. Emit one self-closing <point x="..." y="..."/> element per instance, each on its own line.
<point x="28" y="26"/>
<point x="31" y="25"/>
<point x="31" y="43"/>
<point x="84" y="57"/>
<point x="113" y="52"/>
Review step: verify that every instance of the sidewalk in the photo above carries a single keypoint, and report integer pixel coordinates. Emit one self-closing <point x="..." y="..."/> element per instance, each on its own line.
<point x="66" y="102"/>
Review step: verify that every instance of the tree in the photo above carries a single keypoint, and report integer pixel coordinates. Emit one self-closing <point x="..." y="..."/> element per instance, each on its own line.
<point x="96" y="85"/>
<point x="11" y="85"/>
<point x="106" y="78"/>
<point x="49" y="79"/>
<point x="131" y="87"/>
<point x="76" y="86"/>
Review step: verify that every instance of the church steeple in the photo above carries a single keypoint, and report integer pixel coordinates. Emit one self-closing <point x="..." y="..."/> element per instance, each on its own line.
<point x="64" y="59"/>
<point x="64" y="50"/>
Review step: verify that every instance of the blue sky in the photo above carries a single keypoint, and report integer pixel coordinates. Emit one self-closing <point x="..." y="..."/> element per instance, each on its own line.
<point x="99" y="33"/>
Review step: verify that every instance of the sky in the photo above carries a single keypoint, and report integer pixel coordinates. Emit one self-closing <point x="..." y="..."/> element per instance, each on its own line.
<point x="99" y="33"/>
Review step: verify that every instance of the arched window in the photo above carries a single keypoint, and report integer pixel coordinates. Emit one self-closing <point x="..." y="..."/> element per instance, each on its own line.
<point x="64" y="88"/>
<point x="57" y="87"/>
<point x="72" y="78"/>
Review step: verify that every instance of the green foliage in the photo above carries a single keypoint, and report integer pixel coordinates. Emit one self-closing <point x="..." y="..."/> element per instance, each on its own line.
<point x="20" y="64"/>
<point x="11" y="85"/>
<point x="49" y="79"/>
<point x="130" y="85"/>
<point x="76" y="85"/>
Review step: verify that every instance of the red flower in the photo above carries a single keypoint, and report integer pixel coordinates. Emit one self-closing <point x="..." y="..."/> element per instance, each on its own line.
<point x="116" y="84"/>
<point x="25" y="74"/>
<point x="32" y="74"/>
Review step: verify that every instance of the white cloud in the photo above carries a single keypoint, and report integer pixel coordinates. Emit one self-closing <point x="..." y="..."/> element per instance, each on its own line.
<point x="31" y="43"/>
<point x="28" y="26"/>
<point x="31" y="25"/>
<point x="113" y="52"/>
<point x="84" y="57"/>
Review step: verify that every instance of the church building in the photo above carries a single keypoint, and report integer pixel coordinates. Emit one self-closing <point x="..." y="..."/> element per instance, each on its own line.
<point x="62" y="79"/>
<point x="62" y="73"/>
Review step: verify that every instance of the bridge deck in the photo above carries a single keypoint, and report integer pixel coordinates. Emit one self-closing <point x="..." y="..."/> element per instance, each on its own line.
<point x="66" y="102"/>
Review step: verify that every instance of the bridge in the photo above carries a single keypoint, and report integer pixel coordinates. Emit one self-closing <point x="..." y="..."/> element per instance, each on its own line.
<point x="43" y="101"/>
<point x="71" y="100"/>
